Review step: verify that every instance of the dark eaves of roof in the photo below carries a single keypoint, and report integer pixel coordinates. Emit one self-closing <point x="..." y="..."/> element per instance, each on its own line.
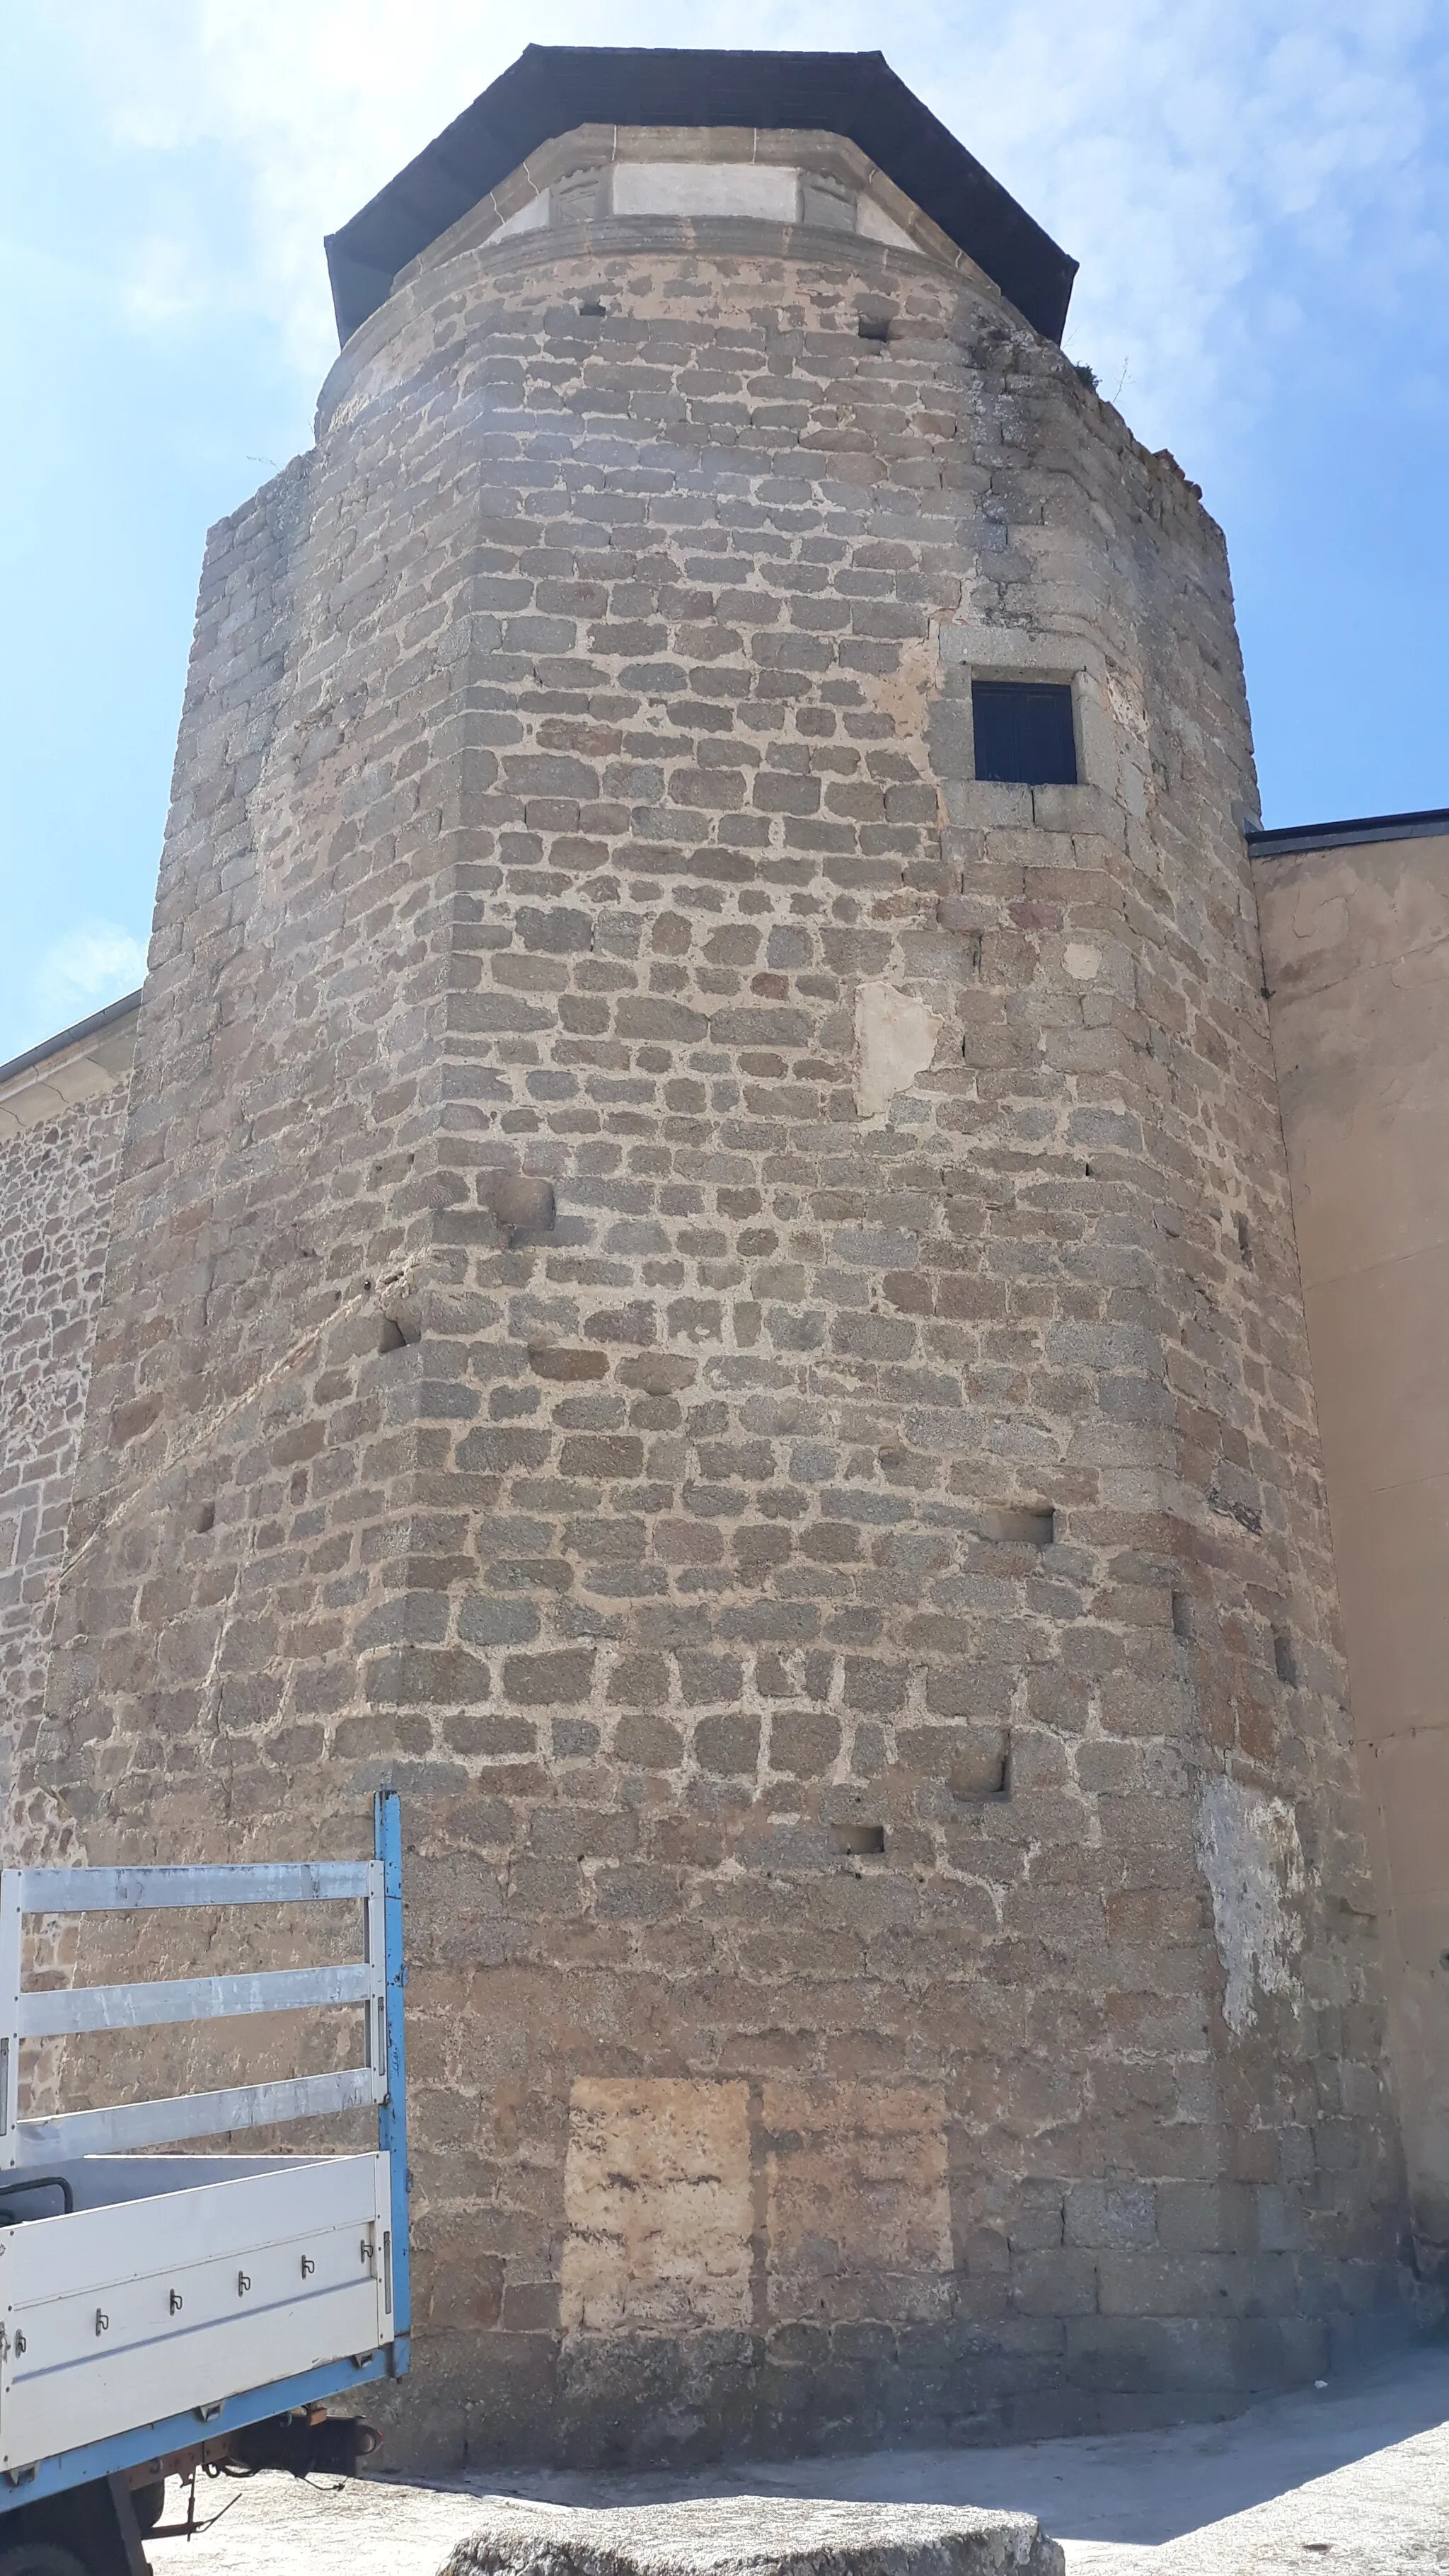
<point x="1430" y="823"/>
<point x="552" y="88"/>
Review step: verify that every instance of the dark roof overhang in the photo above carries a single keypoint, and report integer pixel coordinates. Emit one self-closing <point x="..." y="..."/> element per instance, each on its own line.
<point x="552" y="88"/>
<point x="1427" y="823"/>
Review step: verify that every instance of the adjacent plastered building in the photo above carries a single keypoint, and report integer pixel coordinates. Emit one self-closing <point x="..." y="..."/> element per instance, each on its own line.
<point x="701" y="1273"/>
<point x="1354" y="925"/>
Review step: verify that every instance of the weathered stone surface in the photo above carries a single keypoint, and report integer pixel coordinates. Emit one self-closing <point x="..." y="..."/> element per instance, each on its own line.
<point x="659" y="2207"/>
<point x="802" y="1570"/>
<point x="754" y="2536"/>
<point x="61" y="1125"/>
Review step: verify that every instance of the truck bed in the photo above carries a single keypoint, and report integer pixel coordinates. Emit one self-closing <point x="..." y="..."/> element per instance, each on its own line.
<point x="159" y="2309"/>
<point x="177" y="2280"/>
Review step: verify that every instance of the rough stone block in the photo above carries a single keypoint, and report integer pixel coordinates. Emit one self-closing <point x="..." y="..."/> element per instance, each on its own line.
<point x="755" y="2536"/>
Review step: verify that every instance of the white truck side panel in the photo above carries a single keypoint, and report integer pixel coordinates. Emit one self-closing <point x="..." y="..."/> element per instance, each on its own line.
<point x="114" y="2316"/>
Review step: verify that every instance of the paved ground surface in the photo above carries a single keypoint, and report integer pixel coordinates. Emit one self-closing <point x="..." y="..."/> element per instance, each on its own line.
<point x="1352" y="2478"/>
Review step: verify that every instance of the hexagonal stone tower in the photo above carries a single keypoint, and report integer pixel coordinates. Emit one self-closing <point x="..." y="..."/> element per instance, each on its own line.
<point x="703" y="1280"/>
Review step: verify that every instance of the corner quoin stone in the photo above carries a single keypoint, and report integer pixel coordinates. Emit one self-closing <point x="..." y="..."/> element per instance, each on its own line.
<point x="755" y="2536"/>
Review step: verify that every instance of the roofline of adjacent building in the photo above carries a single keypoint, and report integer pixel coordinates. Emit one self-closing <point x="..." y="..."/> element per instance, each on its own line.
<point x="89" y="1028"/>
<point x="1429" y="823"/>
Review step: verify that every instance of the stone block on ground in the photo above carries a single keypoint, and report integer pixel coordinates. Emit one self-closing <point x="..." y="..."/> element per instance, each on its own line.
<point x="754" y="2536"/>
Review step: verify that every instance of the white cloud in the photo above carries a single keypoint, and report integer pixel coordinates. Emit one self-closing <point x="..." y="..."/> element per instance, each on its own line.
<point x="1211" y="162"/>
<point x="93" y="964"/>
<point x="164" y="283"/>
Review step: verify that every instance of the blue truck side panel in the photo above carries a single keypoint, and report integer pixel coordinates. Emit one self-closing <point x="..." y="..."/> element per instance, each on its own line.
<point x="392" y="2117"/>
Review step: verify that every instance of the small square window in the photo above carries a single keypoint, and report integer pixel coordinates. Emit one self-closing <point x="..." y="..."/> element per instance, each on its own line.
<point x="1024" y="734"/>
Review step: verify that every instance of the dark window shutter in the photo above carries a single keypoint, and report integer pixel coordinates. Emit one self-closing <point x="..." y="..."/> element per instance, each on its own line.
<point x="1023" y="731"/>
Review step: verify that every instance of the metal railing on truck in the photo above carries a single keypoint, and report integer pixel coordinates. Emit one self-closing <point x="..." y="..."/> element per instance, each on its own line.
<point x="71" y="2145"/>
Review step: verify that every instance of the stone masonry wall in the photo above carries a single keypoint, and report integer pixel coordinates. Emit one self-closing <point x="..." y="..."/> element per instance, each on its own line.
<point x="57" y="1180"/>
<point x="716" y="1300"/>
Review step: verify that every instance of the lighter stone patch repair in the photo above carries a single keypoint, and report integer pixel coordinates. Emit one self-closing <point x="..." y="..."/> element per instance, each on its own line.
<point x="895" y="1039"/>
<point x="1253" y="1863"/>
<point x="658" y="2204"/>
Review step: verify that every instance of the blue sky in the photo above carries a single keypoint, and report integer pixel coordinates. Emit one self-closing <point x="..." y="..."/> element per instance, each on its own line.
<point x="1257" y="190"/>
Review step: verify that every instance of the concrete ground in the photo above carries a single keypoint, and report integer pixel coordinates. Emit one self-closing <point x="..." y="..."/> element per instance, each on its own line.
<point x="1353" y="2477"/>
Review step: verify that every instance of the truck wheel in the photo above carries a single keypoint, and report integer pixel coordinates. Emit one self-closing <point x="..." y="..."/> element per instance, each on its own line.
<point x="40" y="2558"/>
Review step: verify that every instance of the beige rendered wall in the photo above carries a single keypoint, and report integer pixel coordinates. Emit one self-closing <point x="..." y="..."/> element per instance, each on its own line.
<point x="1356" y="949"/>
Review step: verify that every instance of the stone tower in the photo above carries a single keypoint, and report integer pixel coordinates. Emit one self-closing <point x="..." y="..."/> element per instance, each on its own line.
<point x="711" y="1292"/>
